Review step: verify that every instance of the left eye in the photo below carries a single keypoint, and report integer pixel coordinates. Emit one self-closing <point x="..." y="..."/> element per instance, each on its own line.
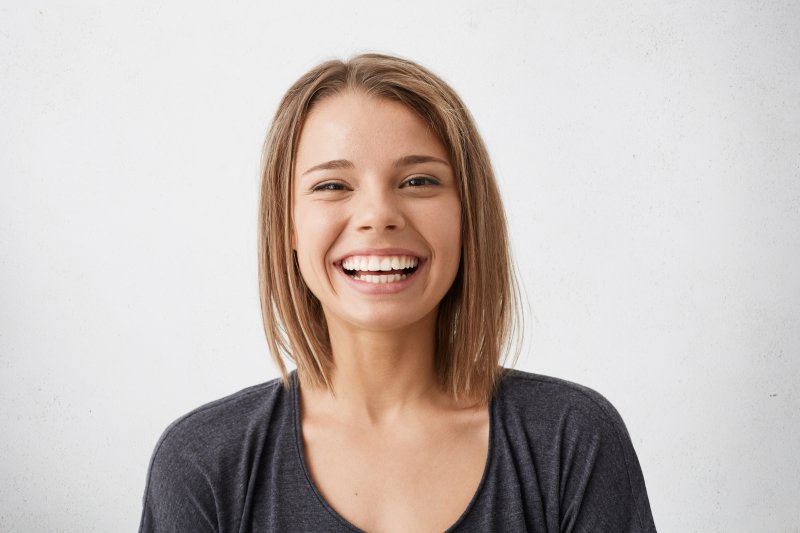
<point x="420" y="181"/>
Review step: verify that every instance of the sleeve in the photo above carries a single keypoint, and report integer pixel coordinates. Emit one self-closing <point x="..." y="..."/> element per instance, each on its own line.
<point x="178" y="495"/>
<point x="602" y="485"/>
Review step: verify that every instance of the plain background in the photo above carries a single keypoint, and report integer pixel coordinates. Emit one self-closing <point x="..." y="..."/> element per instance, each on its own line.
<point x="648" y="153"/>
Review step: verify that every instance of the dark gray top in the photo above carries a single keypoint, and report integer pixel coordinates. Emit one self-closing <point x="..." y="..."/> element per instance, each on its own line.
<point x="560" y="460"/>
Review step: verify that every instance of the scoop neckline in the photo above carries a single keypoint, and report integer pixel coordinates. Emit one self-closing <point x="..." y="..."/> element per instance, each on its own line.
<point x="300" y="449"/>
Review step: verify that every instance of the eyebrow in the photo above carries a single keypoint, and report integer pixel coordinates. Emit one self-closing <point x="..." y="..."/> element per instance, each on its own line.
<point x="404" y="161"/>
<point x="331" y="165"/>
<point x="417" y="159"/>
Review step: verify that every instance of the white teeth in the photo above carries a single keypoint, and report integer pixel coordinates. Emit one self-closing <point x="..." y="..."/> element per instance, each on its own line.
<point x="377" y="263"/>
<point x="382" y="278"/>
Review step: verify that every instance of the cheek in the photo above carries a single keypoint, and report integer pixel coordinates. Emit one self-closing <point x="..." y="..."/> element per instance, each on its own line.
<point x="312" y="237"/>
<point x="441" y="227"/>
<point x="303" y="242"/>
<point x="304" y="229"/>
<point x="449" y="222"/>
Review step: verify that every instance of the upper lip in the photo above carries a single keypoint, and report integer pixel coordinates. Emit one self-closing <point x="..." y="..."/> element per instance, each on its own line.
<point x="379" y="252"/>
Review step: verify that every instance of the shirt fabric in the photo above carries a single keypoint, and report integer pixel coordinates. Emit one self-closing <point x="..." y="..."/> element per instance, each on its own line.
<point x="560" y="460"/>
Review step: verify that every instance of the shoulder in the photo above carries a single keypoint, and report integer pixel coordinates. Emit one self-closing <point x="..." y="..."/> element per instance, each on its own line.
<point x="546" y="413"/>
<point x="580" y="447"/>
<point x="201" y="462"/>
<point x="223" y="420"/>
<point x="537" y="397"/>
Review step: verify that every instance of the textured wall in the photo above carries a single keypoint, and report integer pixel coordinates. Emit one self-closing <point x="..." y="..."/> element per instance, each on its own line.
<point x="649" y="153"/>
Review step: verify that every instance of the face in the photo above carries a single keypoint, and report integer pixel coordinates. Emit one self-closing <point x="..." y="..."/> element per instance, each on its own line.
<point x="376" y="211"/>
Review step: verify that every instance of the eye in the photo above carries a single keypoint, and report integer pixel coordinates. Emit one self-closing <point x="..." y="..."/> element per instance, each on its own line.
<point x="420" y="181"/>
<point x="329" y="186"/>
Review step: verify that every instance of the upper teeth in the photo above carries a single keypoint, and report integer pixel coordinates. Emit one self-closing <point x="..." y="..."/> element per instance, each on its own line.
<point x="378" y="263"/>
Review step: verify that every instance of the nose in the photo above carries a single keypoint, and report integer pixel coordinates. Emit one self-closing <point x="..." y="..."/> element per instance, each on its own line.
<point x="378" y="209"/>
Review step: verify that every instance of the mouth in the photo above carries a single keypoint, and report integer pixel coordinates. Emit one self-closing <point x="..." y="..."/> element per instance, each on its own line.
<point x="380" y="268"/>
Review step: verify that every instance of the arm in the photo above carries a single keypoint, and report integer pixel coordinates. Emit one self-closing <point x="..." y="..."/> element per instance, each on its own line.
<point x="602" y="485"/>
<point x="179" y="496"/>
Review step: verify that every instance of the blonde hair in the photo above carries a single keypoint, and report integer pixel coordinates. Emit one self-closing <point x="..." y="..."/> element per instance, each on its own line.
<point x="476" y="316"/>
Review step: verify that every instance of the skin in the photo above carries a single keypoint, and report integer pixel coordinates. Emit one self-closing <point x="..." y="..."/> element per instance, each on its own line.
<point x="390" y="451"/>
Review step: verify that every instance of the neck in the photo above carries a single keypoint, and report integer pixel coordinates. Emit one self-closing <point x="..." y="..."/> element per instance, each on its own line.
<point x="380" y="375"/>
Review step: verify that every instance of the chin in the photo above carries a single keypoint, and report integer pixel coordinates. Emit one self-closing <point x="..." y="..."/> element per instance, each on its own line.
<point x="385" y="320"/>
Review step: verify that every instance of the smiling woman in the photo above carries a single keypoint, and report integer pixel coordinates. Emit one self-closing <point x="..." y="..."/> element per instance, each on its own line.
<point x="381" y="103"/>
<point x="386" y="278"/>
<point x="395" y="200"/>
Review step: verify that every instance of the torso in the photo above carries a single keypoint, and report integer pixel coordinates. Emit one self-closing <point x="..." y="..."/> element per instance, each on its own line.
<point x="419" y="474"/>
<point x="561" y="459"/>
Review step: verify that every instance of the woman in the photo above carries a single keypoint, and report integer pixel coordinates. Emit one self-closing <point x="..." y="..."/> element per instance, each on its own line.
<point x="385" y="277"/>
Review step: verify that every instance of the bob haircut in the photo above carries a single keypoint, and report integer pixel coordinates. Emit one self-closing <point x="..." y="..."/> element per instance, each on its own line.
<point x="479" y="312"/>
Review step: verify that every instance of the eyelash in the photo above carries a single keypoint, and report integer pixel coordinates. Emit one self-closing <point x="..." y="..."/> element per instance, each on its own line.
<point x="329" y="186"/>
<point x="332" y="186"/>
<point x="428" y="181"/>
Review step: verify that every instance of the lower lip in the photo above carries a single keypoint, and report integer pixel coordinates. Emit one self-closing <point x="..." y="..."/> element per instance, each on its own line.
<point x="392" y="287"/>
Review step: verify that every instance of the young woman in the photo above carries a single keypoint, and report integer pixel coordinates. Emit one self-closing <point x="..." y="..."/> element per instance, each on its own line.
<point x="385" y="277"/>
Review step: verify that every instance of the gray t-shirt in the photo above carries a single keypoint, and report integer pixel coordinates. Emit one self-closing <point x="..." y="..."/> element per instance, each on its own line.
<point x="560" y="460"/>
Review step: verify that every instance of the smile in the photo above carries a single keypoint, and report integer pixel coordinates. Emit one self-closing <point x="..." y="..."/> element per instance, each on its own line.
<point x="380" y="268"/>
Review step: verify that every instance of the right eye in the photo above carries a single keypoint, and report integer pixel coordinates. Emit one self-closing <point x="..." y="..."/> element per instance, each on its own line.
<point x="330" y="186"/>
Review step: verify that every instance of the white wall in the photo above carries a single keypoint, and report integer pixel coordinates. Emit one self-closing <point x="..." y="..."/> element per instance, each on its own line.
<point x="649" y="154"/>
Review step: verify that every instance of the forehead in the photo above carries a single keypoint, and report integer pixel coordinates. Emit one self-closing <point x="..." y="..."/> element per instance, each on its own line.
<point x="364" y="129"/>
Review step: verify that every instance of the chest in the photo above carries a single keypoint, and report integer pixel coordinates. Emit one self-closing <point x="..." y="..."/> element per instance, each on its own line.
<point x="419" y="479"/>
